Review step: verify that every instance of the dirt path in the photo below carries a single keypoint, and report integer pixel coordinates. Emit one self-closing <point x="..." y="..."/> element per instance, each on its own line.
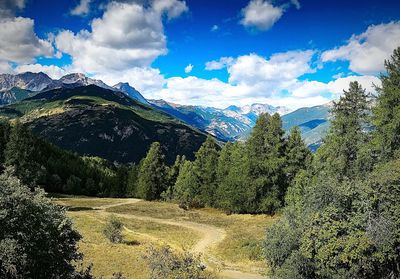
<point x="211" y="236"/>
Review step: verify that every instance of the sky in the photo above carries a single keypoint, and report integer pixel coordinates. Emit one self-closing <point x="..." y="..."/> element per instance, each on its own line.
<point x="292" y="53"/>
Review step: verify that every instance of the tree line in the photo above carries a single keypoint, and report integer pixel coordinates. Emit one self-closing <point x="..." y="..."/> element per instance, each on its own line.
<point x="240" y="177"/>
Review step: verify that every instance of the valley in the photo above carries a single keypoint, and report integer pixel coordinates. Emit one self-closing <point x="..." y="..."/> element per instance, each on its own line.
<point x="229" y="245"/>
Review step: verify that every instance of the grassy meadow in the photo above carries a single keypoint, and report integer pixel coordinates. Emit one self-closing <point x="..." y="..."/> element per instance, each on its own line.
<point x="159" y="223"/>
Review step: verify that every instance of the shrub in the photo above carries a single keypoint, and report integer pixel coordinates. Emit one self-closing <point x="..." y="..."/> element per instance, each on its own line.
<point x="113" y="230"/>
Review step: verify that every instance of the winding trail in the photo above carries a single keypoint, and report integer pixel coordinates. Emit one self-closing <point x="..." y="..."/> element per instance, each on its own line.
<point x="210" y="237"/>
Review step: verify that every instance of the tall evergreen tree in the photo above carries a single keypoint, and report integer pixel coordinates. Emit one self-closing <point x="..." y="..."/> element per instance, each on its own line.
<point x="347" y="134"/>
<point x="187" y="187"/>
<point x="172" y="176"/>
<point x="298" y="156"/>
<point x="205" y="170"/>
<point x="151" y="181"/>
<point x="22" y="153"/>
<point x="266" y="151"/>
<point x="4" y="135"/>
<point x="387" y="110"/>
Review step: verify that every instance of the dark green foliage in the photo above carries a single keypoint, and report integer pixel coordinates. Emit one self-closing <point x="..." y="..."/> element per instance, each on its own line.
<point x="36" y="238"/>
<point x="132" y="178"/>
<point x="342" y="218"/>
<point x="4" y="137"/>
<point x="347" y="133"/>
<point x="298" y="156"/>
<point x="152" y="174"/>
<point x="266" y="151"/>
<point x="172" y="176"/>
<point x="21" y="153"/>
<point x="37" y="162"/>
<point x="113" y="230"/>
<point x="196" y="184"/>
<point x="386" y="112"/>
<point x="163" y="263"/>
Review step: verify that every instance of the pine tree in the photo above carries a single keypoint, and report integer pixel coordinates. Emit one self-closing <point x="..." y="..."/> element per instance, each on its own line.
<point x="298" y="156"/>
<point x="205" y="169"/>
<point x="347" y="133"/>
<point x="151" y="181"/>
<point x="387" y="110"/>
<point x="22" y="153"/>
<point x="172" y="176"/>
<point x="266" y="148"/>
<point x="4" y="135"/>
<point x="187" y="187"/>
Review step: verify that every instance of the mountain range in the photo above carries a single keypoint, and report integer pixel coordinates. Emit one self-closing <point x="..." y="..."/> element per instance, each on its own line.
<point x="231" y="123"/>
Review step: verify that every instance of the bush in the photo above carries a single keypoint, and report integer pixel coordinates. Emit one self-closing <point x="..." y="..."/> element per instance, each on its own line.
<point x="113" y="230"/>
<point x="163" y="263"/>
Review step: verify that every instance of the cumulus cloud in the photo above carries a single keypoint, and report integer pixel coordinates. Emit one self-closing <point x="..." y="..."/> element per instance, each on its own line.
<point x="52" y="71"/>
<point x="219" y="64"/>
<point x="315" y="88"/>
<point x="19" y="43"/>
<point x="188" y="68"/>
<point x="82" y="8"/>
<point x="128" y="35"/>
<point x="261" y="14"/>
<point x="367" y="51"/>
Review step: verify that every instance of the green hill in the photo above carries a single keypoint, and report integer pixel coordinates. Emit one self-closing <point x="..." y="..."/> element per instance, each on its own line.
<point x="95" y="121"/>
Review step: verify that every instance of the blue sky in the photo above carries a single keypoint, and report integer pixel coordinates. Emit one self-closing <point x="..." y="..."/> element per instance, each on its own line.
<point x="287" y="52"/>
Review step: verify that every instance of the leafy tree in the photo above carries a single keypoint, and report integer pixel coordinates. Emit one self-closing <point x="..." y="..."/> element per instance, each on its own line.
<point x="133" y="175"/>
<point x="36" y="238"/>
<point x="151" y="182"/>
<point x="339" y="153"/>
<point x="386" y="112"/>
<point x="113" y="230"/>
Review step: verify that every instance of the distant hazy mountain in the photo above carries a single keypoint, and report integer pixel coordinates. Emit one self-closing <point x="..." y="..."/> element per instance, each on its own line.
<point x="230" y="123"/>
<point x="131" y="92"/>
<point x="313" y="122"/>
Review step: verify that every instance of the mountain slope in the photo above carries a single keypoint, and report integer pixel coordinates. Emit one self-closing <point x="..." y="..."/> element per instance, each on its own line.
<point x="94" y="121"/>
<point x="29" y="81"/>
<point x="131" y="92"/>
<point x="312" y="121"/>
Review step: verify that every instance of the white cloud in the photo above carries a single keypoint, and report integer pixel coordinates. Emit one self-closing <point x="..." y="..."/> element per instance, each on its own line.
<point x="5" y="68"/>
<point x="188" y="68"/>
<point x="296" y="3"/>
<point x="19" y="43"/>
<point x="173" y="8"/>
<point x="52" y="71"/>
<point x="82" y="8"/>
<point x="261" y="14"/>
<point x="307" y="88"/>
<point x="219" y="64"/>
<point x="128" y="35"/>
<point x="367" y="51"/>
<point x="214" y="28"/>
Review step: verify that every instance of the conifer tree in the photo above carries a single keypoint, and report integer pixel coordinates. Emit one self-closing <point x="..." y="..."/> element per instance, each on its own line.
<point x="172" y="176"/>
<point x="22" y="153"/>
<point x="386" y="112"/>
<point x="187" y="187"/>
<point x="347" y="133"/>
<point x="298" y="156"/>
<point x="266" y="148"/>
<point x="4" y="135"/>
<point x="205" y="170"/>
<point x="151" y="181"/>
